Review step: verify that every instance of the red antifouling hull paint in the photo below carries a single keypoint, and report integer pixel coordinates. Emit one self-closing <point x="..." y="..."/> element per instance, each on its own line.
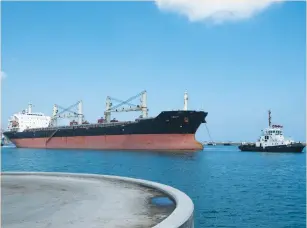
<point x="115" y="142"/>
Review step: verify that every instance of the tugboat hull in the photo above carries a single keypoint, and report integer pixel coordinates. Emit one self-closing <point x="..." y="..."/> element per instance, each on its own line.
<point x="295" y="147"/>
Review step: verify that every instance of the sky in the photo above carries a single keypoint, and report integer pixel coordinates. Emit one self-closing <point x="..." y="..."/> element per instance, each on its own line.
<point x="235" y="61"/>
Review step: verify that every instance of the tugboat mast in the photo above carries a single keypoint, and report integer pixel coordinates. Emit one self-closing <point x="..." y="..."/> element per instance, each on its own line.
<point x="269" y="118"/>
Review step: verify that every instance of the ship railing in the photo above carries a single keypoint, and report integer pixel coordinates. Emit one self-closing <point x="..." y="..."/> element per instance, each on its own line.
<point x="12" y="128"/>
<point x="81" y="126"/>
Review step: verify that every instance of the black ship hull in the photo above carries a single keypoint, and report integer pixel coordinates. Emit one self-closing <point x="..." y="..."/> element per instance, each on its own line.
<point x="169" y="130"/>
<point x="291" y="148"/>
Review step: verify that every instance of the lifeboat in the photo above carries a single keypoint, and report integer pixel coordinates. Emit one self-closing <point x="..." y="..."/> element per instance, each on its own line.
<point x="73" y="123"/>
<point x="15" y="124"/>
<point x="101" y="120"/>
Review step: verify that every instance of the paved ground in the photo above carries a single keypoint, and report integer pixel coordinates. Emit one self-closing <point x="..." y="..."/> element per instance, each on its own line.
<point x="56" y="202"/>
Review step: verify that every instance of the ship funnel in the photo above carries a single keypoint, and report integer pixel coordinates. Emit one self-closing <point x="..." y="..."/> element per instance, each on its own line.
<point x="185" y="102"/>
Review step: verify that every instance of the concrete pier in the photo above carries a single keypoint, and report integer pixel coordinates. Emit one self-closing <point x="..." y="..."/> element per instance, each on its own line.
<point x="89" y="200"/>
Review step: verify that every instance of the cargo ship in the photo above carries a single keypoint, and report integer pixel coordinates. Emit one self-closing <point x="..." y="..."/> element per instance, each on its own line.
<point x="273" y="140"/>
<point x="170" y="130"/>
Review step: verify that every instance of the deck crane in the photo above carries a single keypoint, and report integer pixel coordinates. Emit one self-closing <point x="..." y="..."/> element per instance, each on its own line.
<point x="142" y="107"/>
<point x="71" y="114"/>
<point x="121" y="101"/>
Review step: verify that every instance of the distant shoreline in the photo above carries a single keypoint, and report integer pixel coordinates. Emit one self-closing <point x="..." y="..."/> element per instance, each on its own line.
<point x="232" y="143"/>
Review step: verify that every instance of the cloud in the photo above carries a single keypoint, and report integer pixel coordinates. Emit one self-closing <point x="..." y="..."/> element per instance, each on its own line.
<point x="217" y="11"/>
<point x="3" y="75"/>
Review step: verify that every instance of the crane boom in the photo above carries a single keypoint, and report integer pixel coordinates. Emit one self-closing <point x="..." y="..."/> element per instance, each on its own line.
<point x="142" y="107"/>
<point x="65" y="110"/>
<point x="120" y="101"/>
<point x="126" y="109"/>
<point x="130" y="99"/>
<point x="57" y="114"/>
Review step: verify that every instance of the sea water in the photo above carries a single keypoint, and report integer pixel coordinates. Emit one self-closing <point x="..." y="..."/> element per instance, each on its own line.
<point x="229" y="188"/>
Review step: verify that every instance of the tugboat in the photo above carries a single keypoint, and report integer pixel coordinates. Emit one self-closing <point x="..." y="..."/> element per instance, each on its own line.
<point x="273" y="140"/>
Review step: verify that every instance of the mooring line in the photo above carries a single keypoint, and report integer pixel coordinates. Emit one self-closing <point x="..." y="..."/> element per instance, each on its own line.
<point x="208" y="132"/>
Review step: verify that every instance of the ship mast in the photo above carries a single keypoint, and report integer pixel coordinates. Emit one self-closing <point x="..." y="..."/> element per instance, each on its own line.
<point x="29" y="108"/>
<point x="185" y="101"/>
<point x="269" y="118"/>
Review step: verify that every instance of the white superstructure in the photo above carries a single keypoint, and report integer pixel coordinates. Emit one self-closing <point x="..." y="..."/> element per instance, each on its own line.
<point x="273" y="136"/>
<point x="27" y="119"/>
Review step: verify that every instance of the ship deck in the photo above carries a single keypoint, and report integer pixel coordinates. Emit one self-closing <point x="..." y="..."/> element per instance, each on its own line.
<point x="90" y="125"/>
<point x="81" y="126"/>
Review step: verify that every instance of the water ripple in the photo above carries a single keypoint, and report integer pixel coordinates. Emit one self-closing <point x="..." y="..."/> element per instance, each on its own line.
<point x="229" y="188"/>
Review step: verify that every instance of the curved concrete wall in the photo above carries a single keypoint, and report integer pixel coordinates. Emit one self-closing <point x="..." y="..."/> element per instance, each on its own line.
<point x="181" y="217"/>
